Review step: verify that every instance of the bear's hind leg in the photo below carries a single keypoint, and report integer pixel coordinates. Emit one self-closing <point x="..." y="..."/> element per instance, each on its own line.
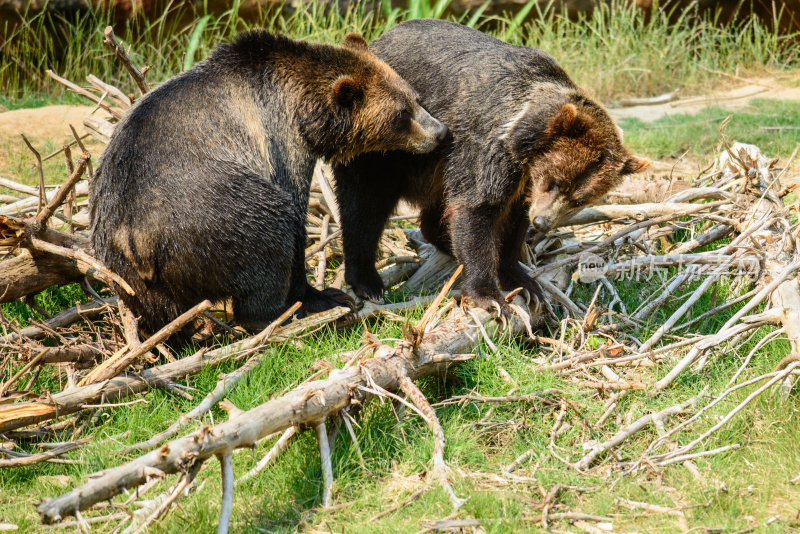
<point x="261" y="288"/>
<point x="434" y="227"/>
<point x="367" y="190"/>
<point x="313" y="300"/>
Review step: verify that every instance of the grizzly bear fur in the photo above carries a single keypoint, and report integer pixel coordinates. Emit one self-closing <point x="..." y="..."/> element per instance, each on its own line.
<point x="523" y="139"/>
<point x="203" y="189"/>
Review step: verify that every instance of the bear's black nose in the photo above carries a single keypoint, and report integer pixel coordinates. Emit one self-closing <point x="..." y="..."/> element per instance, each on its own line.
<point x="541" y="224"/>
<point x="442" y="132"/>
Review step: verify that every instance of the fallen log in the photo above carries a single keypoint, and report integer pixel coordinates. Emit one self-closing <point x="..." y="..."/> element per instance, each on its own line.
<point x="28" y="274"/>
<point x="430" y="350"/>
<point x="22" y="414"/>
<point x="46" y="257"/>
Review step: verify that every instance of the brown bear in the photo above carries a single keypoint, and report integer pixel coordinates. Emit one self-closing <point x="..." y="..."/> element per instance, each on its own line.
<point x="202" y="191"/>
<point x="526" y="145"/>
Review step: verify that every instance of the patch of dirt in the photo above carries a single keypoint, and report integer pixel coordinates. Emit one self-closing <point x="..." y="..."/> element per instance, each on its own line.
<point x="49" y="123"/>
<point x="729" y="99"/>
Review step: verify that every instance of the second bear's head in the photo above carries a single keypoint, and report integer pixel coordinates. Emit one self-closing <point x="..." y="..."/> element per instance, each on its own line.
<point x="571" y="156"/>
<point x="346" y="101"/>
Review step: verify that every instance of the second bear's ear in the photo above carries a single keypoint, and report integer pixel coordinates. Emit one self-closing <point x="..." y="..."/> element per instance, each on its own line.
<point x="355" y="41"/>
<point x="565" y="121"/>
<point x="346" y="91"/>
<point x="634" y="165"/>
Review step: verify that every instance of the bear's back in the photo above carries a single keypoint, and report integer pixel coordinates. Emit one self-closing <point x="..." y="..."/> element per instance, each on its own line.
<point x="470" y="80"/>
<point x="421" y="49"/>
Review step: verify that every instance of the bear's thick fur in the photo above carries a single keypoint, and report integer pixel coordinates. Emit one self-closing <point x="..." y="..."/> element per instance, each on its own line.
<point x="524" y="139"/>
<point x="203" y="190"/>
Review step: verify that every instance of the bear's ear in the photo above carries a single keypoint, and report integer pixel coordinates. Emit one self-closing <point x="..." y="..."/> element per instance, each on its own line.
<point x="355" y="41"/>
<point x="634" y="165"/>
<point x="346" y="91"/>
<point x="564" y="121"/>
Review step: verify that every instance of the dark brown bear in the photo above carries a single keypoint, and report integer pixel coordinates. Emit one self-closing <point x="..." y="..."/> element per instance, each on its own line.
<point x="203" y="190"/>
<point x="526" y="145"/>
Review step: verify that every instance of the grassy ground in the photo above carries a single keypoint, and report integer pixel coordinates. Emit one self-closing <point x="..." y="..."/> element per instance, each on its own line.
<point x="736" y="490"/>
<point x="696" y="137"/>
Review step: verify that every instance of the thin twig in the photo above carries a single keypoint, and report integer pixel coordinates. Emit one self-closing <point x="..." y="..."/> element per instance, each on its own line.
<point x="327" y="466"/>
<point x="226" y="465"/>
<point x="122" y="56"/>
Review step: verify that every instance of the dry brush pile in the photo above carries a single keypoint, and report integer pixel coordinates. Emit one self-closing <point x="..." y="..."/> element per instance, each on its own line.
<point x="735" y="213"/>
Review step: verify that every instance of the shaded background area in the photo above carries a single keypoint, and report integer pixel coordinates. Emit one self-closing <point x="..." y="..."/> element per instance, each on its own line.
<point x="783" y="15"/>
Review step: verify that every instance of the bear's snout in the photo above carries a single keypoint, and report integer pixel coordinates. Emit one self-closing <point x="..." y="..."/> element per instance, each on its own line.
<point x="430" y="132"/>
<point x="541" y="224"/>
<point x="442" y="132"/>
<point x="547" y="208"/>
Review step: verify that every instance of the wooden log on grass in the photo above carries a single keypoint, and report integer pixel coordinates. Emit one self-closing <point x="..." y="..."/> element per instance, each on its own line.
<point x="430" y="350"/>
<point x="18" y="415"/>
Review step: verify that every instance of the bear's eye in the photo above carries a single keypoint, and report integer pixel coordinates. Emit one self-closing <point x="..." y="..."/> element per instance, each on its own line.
<point x="403" y="118"/>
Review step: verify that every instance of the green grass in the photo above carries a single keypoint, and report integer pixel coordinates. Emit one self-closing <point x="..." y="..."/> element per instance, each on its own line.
<point x="697" y="135"/>
<point x="611" y="53"/>
<point x="752" y="482"/>
<point x="31" y="99"/>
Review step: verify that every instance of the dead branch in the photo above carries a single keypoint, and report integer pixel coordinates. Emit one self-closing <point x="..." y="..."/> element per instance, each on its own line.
<point x="307" y="404"/>
<point x="223" y="387"/>
<point x="122" y="56"/>
<point x="39" y="169"/>
<point x="116" y="113"/>
<point x="31" y="204"/>
<point x="226" y="465"/>
<point x="327" y="467"/>
<point x="280" y="446"/>
<point x="440" y="470"/>
<point x="42" y="457"/>
<point x="115" y="365"/>
<point x="633" y="428"/>
<point x="22" y="414"/>
<point x="118" y="96"/>
<point x="635" y="212"/>
<point x="61" y="195"/>
<point x="62" y="319"/>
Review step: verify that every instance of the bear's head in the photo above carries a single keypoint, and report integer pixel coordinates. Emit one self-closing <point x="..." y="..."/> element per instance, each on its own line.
<point x="571" y="157"/>
<point x="368" y="108"/>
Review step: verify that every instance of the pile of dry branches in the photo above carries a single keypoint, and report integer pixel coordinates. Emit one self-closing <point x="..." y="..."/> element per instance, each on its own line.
<point x="740" y="232"/>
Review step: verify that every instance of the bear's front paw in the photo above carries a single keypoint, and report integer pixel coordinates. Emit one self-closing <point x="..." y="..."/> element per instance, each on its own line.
<point x="496" y="306"/>
<point x="518" y="278"/>
<point x="317" y="301"/>
<point x="367" y="287"/>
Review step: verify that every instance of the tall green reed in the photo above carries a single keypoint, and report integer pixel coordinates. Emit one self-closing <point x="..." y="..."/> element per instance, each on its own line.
<point x="610" y="52"/>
